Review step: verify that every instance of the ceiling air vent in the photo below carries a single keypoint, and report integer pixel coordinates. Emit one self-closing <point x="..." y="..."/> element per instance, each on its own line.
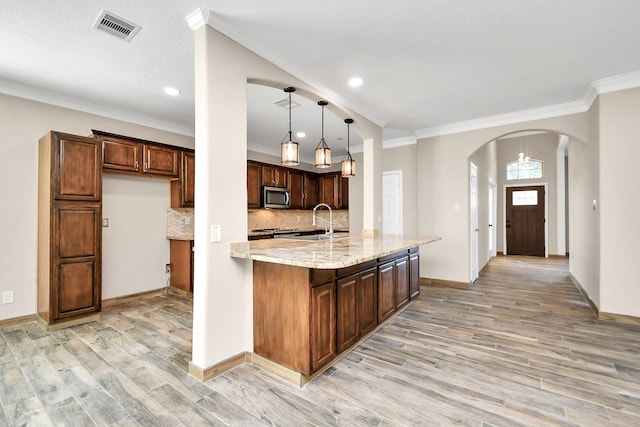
<point x="116" y="26"/>
<point x="284" y="103"/>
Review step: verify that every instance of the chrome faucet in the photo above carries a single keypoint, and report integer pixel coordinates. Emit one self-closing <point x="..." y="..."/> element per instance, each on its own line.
<point x="313" y="219"/>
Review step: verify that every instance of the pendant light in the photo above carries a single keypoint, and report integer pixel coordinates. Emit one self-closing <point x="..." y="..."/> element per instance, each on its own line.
<point x="289" y="148"/>
<point x="348" y="164"/>
<point x="323" y="152"/>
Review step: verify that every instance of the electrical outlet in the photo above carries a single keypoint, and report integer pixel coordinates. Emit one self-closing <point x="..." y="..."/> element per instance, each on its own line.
<point x="167" y="268"/>
<point x="7" y="297"/>
<point x="105" y="222"/>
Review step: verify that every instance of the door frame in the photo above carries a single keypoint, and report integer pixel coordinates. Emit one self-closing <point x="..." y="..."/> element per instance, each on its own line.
<point x="474" y="231"/>
<point x="493" y="218"/>
<point x="546" y="214"/>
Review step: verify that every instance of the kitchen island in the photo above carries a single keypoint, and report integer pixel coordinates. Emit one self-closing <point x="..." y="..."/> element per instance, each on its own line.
<point x="313" y="300"/>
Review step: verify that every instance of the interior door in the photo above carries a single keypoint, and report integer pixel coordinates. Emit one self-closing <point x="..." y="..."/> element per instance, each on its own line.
<point x="524" y="220"/>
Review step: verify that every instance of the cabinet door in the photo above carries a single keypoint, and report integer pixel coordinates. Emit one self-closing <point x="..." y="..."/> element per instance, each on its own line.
<point x="344" y="193"/>
<point x="310" y="190"/>
<point x="347" y="314"/>
<point x="296" y="187"/>
<point x="159" y="160"/>
<point x="414" y="274"/>
<point x="322" y="325"/>
<point x="76" y="168"/>
<point x="402" y="281"/>
<point x="329" y="194"/>
<point x="275" y="176"/>
<point x="253" y="185"/>
<point x="188" y="179"/>
<point x="121" y="155"/>
<point x="367" y="301"/>
<point x="386" y="290"/>
<point x="76" y="274"/>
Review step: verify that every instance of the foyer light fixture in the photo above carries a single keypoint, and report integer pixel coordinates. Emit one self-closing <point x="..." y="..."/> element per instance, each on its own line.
<point x="323" y="152"/>
<point x="289" y="147"/>
<point x="348" y="164"/>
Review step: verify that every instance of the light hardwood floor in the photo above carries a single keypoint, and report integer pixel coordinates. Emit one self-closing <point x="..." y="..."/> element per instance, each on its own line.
<point x="521" y="347"/>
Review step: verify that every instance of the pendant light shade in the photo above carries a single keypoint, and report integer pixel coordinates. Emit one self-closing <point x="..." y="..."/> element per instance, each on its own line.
<point x="289" y="148"/>
<point x="348" y="164"/>
<point x="323" y="152"/>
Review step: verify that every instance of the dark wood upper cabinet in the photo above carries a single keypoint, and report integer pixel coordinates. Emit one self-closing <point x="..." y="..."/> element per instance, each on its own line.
<point x="134" y="156"/>
<point x="160" y="160"/>
<point x="75" y="173"/>
<point x="344" y="193"/>
<point x="253" y="185"/>
<point x="307" y="188"/>
<point x="275" y="176"/>
<point x="120" y="155"/>
<point x="330" y="189"/>
<point x="296" y="188"/>
<point x="188" y="179"/>
<point x="310" y="190"/>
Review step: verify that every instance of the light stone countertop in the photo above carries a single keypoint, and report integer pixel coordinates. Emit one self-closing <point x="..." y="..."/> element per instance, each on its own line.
<point x="325" y="254"/>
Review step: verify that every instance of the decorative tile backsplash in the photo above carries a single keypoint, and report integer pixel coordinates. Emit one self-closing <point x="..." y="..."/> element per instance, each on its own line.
<point x="286" y="219"/>
<point x="180" y="224"/>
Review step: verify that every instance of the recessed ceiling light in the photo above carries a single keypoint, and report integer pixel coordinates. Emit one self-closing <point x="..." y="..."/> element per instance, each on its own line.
<point x="301" y="134"/>
<point x="171" y="91"/>
<point x="355" y="81"/>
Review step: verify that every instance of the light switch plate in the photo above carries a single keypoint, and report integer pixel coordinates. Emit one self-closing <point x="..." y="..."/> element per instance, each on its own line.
<point x="216" y="233"/>
<point x="105" y="222"/>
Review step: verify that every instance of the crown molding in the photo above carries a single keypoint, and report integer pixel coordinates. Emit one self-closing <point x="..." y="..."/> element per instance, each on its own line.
<point x="198" y="18"/>
<point x="505" y="119"/>
<point x="21" y="90"/>
<point x="609" y="84"/>
<point x="615" y="83"/>
<point x="399" y="142"/>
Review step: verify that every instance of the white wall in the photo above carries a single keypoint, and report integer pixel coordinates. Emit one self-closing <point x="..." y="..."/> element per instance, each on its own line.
<point x="404" y="159"/>
<point x="23" y="122"/>
<point x="619" y="202"/>
<point x="134" y="245"/>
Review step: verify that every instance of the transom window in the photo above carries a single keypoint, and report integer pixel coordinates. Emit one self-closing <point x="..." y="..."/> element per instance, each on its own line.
<point x="524" y="169"/>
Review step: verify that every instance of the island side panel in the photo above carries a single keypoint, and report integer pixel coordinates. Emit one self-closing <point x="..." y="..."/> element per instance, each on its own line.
<point x="281" y="296"/>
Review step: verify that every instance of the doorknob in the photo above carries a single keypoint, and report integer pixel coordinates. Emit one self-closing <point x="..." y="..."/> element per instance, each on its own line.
<point x="477" y="229"/>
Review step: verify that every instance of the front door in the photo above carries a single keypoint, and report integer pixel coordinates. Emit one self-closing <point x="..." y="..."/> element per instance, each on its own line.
<point x="525" y="220"/>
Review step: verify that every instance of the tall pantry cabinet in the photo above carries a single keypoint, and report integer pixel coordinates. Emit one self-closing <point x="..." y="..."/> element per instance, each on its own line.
<point x="69" y="229"/>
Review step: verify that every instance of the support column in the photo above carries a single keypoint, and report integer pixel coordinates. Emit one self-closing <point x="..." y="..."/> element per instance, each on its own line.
<point x="220" y="301"/>
<point x="372" y="186"/>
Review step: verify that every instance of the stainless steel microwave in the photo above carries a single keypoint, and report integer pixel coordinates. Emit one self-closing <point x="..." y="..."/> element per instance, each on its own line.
<point x="275" y="198"/>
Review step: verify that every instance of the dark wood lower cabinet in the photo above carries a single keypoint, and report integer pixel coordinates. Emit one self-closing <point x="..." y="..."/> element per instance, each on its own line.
<point x="303" y="318"/>
<point x="368" y="301"/>
<point x="323" y="324"/>
<point x="402" y="282"/>
<point x="181" y="259"/>
<point x="386" y="290"/>
<point x="414" y="274"/>
<point x="356" y="301"/>
<point x="348" y="328"/>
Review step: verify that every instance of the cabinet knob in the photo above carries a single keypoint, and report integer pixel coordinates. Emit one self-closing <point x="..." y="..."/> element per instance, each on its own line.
<point x="136" y="166"/>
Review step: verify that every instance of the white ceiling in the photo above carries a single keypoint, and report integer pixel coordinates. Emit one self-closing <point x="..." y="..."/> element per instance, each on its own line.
<point x="426" y="64"/>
